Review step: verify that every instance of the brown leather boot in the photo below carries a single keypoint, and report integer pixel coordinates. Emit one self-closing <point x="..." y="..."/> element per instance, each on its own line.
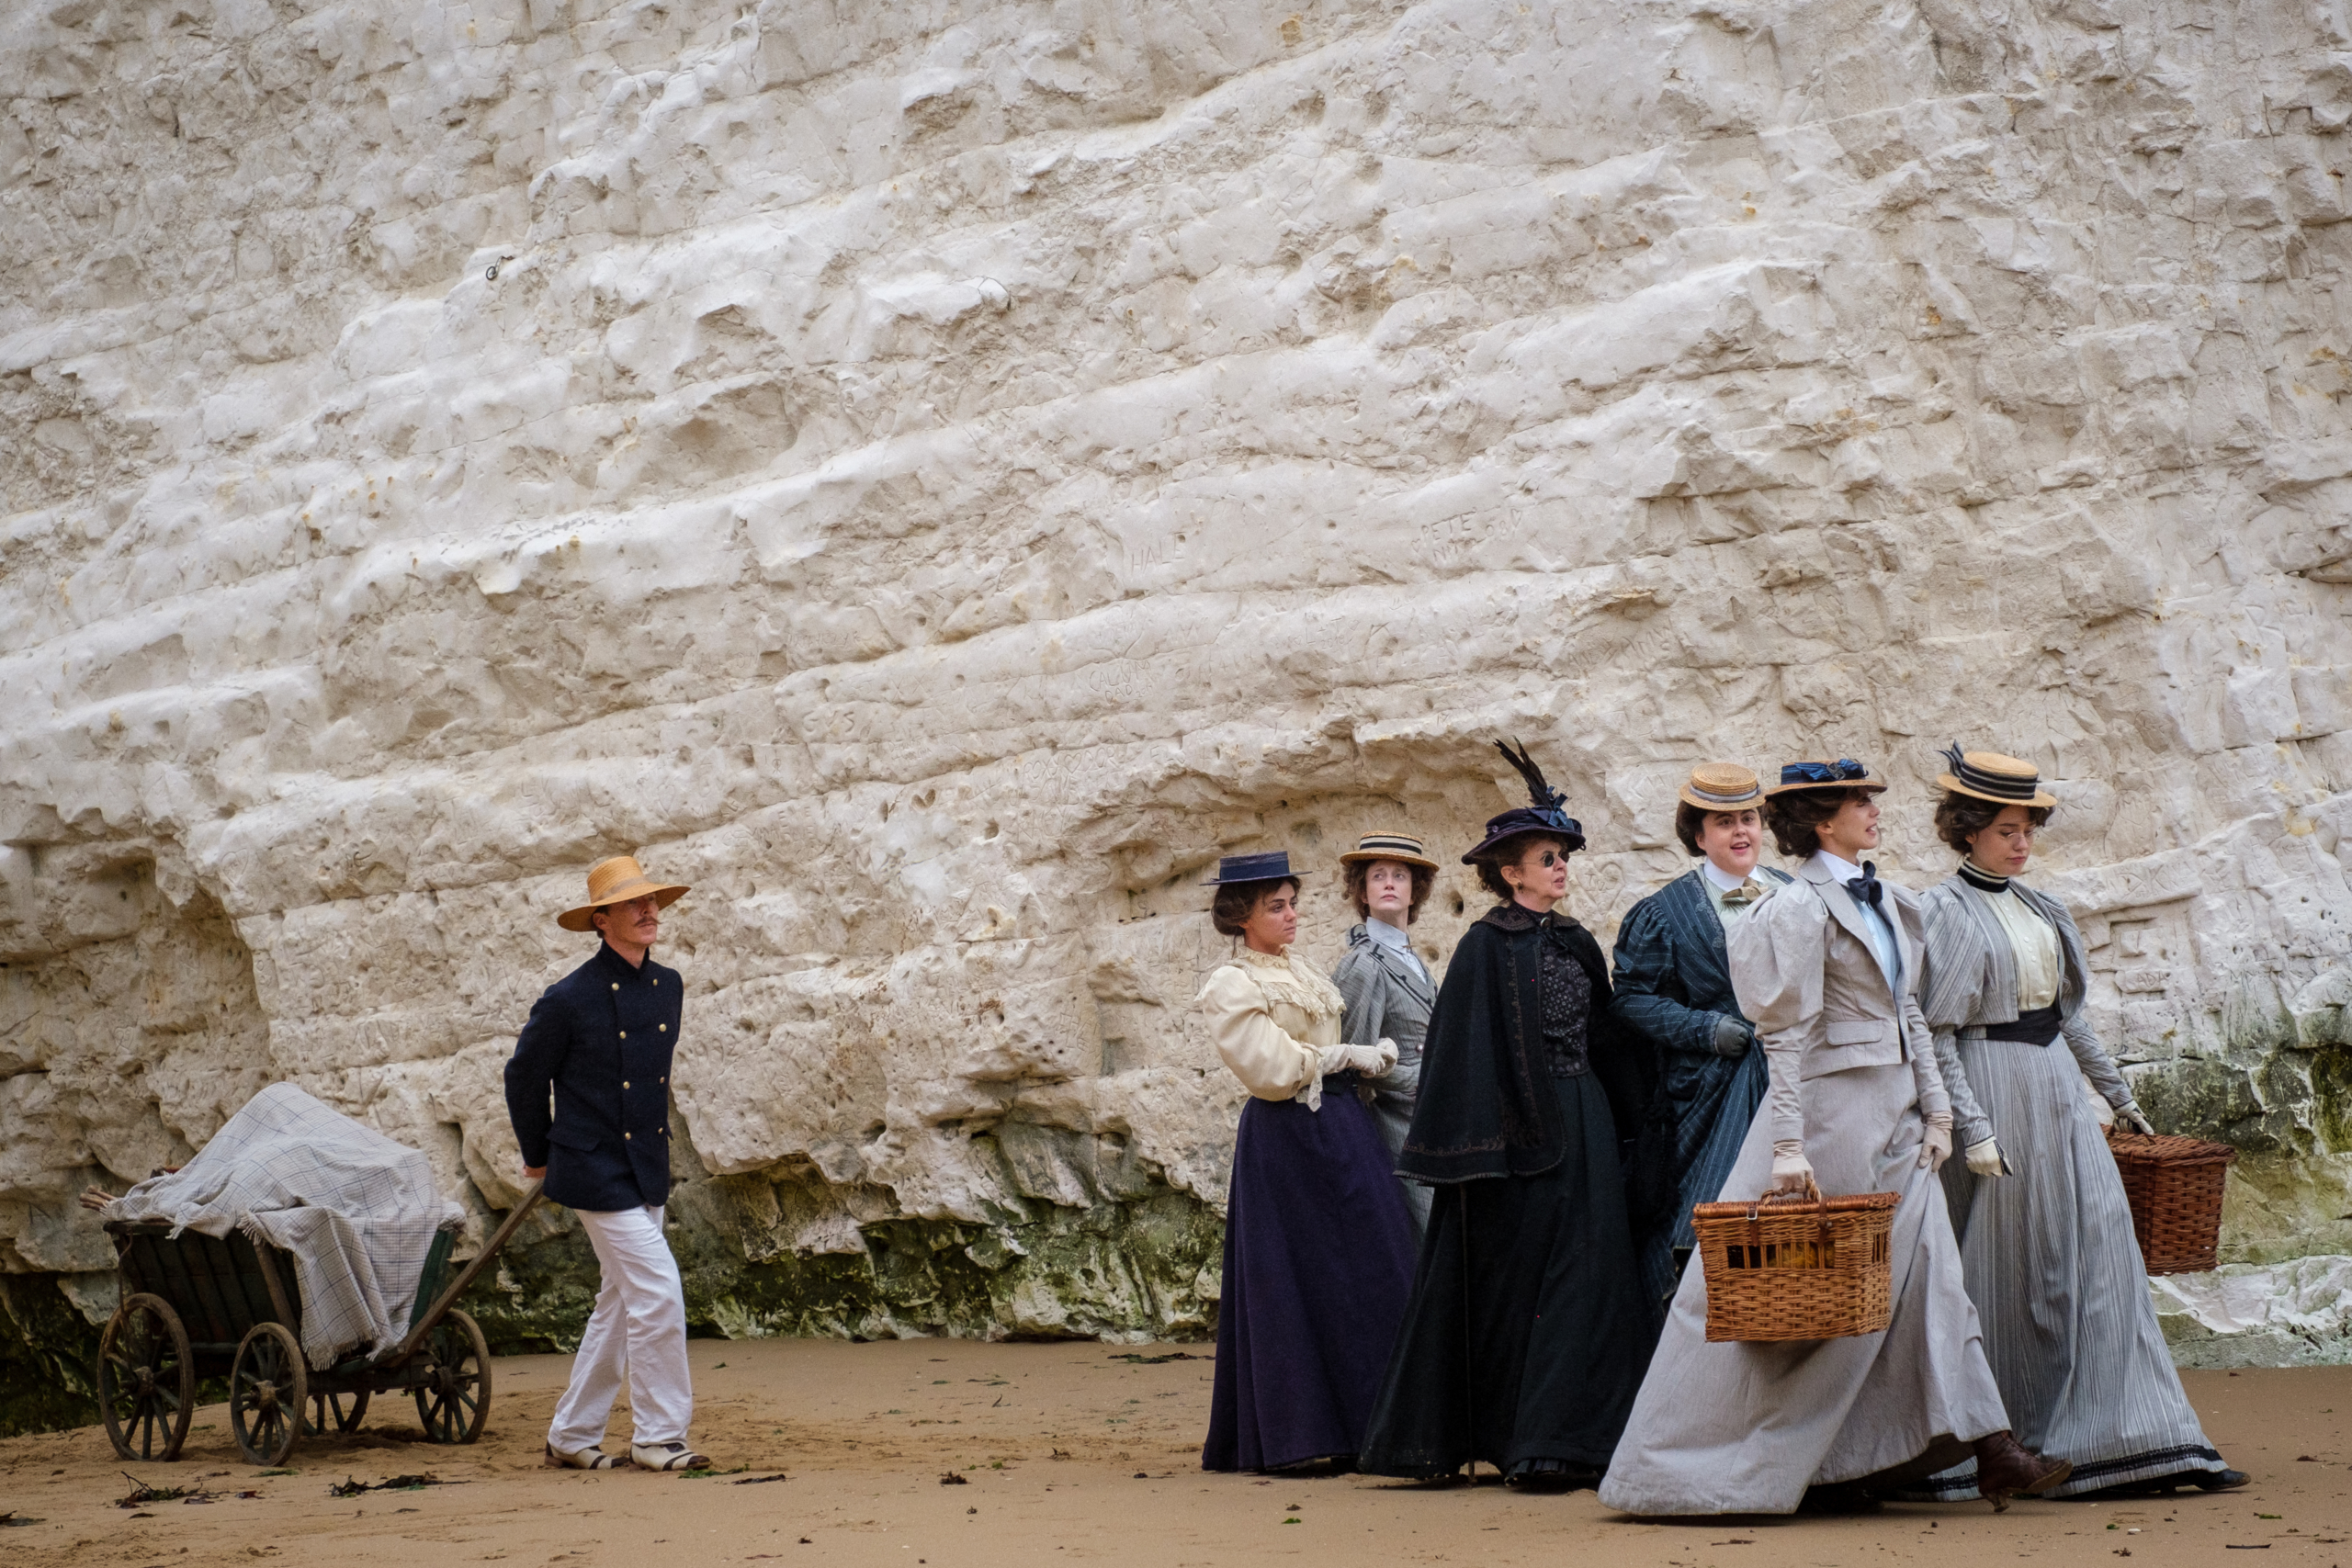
<point x="2005" y="1469"/>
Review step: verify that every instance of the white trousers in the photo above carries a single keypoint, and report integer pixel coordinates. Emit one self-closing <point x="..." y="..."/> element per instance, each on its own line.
<point x="636" y="1335"/>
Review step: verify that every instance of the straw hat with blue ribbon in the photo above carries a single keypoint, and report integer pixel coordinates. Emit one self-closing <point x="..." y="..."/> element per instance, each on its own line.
<point x="1843" y="773"/>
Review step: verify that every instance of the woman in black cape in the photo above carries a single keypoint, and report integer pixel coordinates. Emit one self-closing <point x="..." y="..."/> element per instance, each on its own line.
<point x="1527" y="1333"/>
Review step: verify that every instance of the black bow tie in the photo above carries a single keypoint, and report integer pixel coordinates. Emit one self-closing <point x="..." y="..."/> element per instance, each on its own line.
<point x="1866" y="888"/>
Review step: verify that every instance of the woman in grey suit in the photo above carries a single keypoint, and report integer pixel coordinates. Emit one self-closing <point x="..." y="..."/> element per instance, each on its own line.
<point x="1387" y="989"/>
<point x="1826" y="967"/>
<point x="2045" y="1234"/>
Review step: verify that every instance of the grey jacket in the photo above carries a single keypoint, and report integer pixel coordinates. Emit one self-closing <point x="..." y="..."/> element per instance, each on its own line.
<point x="1971" y="980"/>
<point x="1806" y="976"/>
<point x="1389" y="996"/>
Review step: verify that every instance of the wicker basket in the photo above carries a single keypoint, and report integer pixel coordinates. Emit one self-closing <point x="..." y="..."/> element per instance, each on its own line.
<point x="1797" y="1268"/>
<point x="2175" y="1187"/>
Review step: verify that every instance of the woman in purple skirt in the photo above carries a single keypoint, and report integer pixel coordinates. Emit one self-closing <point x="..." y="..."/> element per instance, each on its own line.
<point x="1319" y="1247"/>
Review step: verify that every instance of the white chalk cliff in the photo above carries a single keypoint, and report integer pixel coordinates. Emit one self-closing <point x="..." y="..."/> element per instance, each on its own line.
<point x="933" y="475"/>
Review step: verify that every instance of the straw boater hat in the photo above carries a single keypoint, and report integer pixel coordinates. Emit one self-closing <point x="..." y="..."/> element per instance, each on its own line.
<point x="1988" y="775"/>
<point x="617" y="881"/>
<point x="1401" y="847"/>
<point x="1843" y="773"/>
<point x="1722" y="787"/>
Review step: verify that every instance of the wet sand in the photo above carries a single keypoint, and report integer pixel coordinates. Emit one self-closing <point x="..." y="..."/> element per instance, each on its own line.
<point x="1067" y="1452"/>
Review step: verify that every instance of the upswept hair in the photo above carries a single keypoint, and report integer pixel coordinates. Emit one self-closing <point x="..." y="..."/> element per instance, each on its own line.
<point x="1507" y="851"/>
<point x="1958" y="816"/>
<point x="1796" y="816"/>
<point x="1358" y="874"/>
<point x="1235" y="902"/>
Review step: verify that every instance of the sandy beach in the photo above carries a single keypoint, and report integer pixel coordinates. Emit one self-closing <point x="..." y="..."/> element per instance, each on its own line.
<point x="1065" y="1452"/>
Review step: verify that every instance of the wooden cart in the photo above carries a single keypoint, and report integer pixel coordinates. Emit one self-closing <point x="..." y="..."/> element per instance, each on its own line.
<point x="196" y="1305"/>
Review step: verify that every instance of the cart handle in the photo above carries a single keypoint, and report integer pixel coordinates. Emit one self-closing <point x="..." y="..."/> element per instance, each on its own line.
<point x="457" y="1287"/>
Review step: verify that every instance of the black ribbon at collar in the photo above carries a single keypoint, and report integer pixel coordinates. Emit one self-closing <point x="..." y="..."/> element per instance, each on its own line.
<point x="1866" y="889"/>
<point x="1975" y="876"/>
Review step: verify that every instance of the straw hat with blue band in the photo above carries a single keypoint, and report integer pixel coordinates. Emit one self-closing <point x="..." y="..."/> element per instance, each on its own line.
<point x="1270" y="867"/>
<point x="1988" y="775"/>
<point x="1723" y="786"/>
<point x="1400" y="847"/>
<point x="1843" y="773"/>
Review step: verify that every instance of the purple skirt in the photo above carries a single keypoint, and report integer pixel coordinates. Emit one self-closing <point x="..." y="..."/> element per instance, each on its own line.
<point x="1318" y="1264"/>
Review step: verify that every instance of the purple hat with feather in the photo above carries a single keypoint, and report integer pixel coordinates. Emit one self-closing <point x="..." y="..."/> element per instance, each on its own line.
<point x="1546" y="815"/>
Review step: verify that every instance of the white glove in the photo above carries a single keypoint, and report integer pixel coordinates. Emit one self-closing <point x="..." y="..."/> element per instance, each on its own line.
<point x="2130" y="1114"/>
<point x="1372" y="1061"/>
<point x="1935" y="1143"/>
<point x="1985" y="1158"/>
<point x="1792" y="1172"/>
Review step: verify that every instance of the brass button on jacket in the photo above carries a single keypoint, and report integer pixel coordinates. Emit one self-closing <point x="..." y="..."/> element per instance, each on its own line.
<point x="571" y="1086"/>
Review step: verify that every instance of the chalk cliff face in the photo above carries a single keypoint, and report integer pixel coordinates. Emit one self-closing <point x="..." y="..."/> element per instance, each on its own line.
<point x="932" y="475"/>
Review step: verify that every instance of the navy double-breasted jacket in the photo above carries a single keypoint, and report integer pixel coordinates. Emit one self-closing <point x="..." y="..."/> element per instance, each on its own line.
<point x="588" y="1087"/>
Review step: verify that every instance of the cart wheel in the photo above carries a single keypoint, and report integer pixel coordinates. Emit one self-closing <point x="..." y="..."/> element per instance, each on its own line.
<point x="454" y="1400"/>
<point x="146" y="1379"/>
<point x="334" y="1412"/>
<point x="267" y="1388"/>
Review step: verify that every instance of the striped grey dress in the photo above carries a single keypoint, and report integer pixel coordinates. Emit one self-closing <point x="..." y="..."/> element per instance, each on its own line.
<point x="1388" y="994"/>
<point x="2048" y="1250"/>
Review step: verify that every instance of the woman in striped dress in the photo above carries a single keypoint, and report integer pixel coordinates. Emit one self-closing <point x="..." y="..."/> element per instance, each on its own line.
<point x="2045" y="1234"/>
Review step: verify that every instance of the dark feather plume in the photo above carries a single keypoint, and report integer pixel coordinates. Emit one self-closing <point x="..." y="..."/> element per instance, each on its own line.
<point x="1539" y="788"/>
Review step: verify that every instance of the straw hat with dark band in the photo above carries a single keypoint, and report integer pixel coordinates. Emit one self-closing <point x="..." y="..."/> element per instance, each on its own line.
<point x="1400" y="847"/>
<point x="1723" y="786"/>
<point x="617" y="881"/>
<point x="1843" y="773"/>
<point x="1988" y="775"/>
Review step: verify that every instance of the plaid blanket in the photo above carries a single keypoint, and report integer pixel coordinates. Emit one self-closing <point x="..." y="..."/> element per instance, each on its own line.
<point x="355" y="1210"/>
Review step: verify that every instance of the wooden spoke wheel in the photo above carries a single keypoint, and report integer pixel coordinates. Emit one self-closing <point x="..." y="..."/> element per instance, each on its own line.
<point x="336" y="1412"/>
<point x="453" y="1399"/>
<point x="267" y="1388"/>
<point x="146" y="1379"/>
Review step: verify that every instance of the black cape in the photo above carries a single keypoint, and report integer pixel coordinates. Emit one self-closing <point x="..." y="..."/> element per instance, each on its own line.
<point x="1487" y="1107"/>
<point x="1529" y="1330"/>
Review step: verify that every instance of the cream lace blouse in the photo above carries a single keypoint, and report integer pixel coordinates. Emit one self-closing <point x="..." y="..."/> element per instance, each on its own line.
<point x="2035" y="946"/>
<point x="1271" y="1017"/>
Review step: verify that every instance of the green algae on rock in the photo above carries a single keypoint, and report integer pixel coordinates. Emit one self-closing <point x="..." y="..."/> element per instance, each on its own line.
<point x="1140" y="1268"/>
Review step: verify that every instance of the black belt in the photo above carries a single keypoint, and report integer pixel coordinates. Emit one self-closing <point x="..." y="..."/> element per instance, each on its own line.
<point x="2039" y="1027"/>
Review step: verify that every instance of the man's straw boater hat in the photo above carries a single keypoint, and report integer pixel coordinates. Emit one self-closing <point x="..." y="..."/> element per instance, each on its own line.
<point x="1988" y="775"/>
<point x="1843" y="773"/>
<point x="1723" y="786"/>
<point x="617" y="881"/>
<point x="1402" y="847"/>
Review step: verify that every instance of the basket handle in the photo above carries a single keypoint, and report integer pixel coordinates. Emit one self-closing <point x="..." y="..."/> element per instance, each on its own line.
<point x="1811" y="1196"/>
